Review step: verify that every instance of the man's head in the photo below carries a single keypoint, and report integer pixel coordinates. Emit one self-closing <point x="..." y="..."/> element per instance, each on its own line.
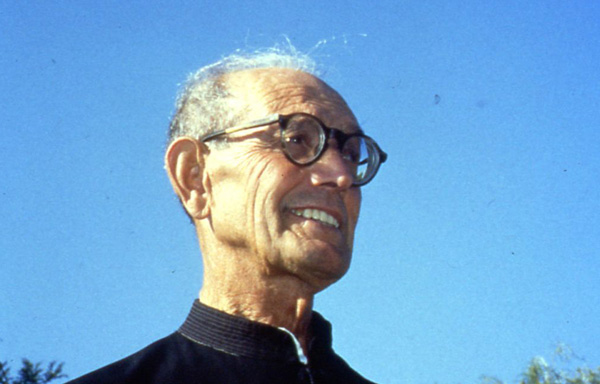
<point x="245" y="195"/>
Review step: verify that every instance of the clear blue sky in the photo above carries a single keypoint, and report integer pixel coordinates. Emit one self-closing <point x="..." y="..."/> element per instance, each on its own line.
<point x="478" y="244"/>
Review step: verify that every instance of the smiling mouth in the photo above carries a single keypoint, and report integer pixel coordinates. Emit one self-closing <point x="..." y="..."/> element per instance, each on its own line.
<point x="318" y="215"/>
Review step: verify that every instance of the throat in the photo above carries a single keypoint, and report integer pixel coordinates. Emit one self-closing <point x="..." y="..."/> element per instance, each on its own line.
<point x="290" y="313"/>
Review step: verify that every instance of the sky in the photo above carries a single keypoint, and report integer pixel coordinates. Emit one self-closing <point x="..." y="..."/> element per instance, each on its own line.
<point x="478" y="242"/>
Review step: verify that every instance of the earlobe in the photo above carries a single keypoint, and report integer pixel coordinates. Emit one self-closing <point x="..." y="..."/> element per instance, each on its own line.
<point x="184" y="163"/>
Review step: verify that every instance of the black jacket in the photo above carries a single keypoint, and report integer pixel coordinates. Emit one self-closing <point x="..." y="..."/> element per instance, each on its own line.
<point x="214" y="347"/>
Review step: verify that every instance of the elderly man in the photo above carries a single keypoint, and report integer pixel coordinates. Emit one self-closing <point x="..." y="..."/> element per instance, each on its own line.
<point x="268" y="162"/>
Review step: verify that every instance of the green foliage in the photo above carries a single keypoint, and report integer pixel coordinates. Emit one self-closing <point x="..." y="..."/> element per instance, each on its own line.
<point x="31" y="373"/>
<point x="540" y="372"/>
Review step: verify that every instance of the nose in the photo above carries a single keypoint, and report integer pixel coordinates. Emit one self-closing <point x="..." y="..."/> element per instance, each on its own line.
<point x="331" y="170"/>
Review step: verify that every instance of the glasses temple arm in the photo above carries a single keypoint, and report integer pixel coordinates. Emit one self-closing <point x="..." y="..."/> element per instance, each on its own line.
<point x="254" y="124"/>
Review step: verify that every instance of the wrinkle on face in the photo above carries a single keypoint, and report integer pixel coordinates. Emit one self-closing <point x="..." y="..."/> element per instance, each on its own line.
<point x="258" y="185"/>
<point x="250" y="161"/>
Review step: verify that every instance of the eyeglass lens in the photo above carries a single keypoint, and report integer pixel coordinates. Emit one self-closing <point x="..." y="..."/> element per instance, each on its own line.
<point x="304" y="138"/>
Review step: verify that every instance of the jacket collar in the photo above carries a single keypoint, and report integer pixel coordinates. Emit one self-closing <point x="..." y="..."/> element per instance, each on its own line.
<point x="241" y="337"/>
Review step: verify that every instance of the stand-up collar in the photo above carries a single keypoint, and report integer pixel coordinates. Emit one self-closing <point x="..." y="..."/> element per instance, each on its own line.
<point x="242" y="337"/>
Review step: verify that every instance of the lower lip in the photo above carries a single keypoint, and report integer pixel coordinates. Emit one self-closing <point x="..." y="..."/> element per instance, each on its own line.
<point x="310" y="229"/>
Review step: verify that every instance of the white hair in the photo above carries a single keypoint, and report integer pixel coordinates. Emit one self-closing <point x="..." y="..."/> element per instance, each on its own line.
<point x="205" y="104"/>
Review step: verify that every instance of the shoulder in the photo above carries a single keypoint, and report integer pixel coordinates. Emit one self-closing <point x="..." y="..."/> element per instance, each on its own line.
<point x="328" y="366"/>
<point x="160" y="362"/>
<point x="333" y="369"/>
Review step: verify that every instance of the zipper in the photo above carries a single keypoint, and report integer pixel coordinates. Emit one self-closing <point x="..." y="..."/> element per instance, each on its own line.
<point x="301" y="356"/>
<point x="309" y="374"/>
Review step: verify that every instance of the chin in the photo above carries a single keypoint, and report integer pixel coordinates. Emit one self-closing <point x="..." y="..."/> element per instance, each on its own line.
<point x="323" y="269"/>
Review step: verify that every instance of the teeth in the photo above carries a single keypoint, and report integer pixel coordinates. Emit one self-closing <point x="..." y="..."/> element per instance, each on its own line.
<point x="316" y="214"/>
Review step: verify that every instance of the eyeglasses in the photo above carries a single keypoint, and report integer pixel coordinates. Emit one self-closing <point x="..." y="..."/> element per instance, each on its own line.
<point x="304" y="138"/>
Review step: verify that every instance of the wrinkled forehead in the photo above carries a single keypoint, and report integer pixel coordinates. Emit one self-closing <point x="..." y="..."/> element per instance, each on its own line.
<point x="280" y="90"/>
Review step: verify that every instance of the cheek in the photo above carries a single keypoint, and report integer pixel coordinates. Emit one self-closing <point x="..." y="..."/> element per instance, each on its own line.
<point x="272" y="186"/>
<point x="352" y="201"/>
<point x="267" y="180"/>
<point x="249" y="192"/>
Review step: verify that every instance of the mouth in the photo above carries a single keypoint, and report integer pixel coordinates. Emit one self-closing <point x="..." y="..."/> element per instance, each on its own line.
<point x="317" y="215"/>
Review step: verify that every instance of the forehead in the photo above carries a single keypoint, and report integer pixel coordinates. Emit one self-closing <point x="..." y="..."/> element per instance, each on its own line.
<point x="285" y="91"/>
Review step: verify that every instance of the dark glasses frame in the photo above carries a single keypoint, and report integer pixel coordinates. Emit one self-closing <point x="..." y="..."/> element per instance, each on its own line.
<point x="376" y="156"/>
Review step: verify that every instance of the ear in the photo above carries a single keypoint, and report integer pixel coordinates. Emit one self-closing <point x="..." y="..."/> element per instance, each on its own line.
<point x="184" y="162"/>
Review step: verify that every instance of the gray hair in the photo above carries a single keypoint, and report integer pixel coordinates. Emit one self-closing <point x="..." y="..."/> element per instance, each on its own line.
<point x="205" y="105"/>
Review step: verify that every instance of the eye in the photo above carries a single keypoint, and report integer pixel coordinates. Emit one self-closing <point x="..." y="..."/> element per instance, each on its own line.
<point x="351" y="156"/>
<point x="302" y="139"/>
<point x="353" y="150"/>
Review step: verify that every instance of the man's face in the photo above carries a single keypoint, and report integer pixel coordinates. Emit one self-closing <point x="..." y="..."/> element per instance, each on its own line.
<point x="260" y="200"/>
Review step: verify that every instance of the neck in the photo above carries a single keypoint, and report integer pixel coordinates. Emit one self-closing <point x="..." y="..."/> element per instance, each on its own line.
<point x="234" y="285"/>
<point x="272" y="307"/>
